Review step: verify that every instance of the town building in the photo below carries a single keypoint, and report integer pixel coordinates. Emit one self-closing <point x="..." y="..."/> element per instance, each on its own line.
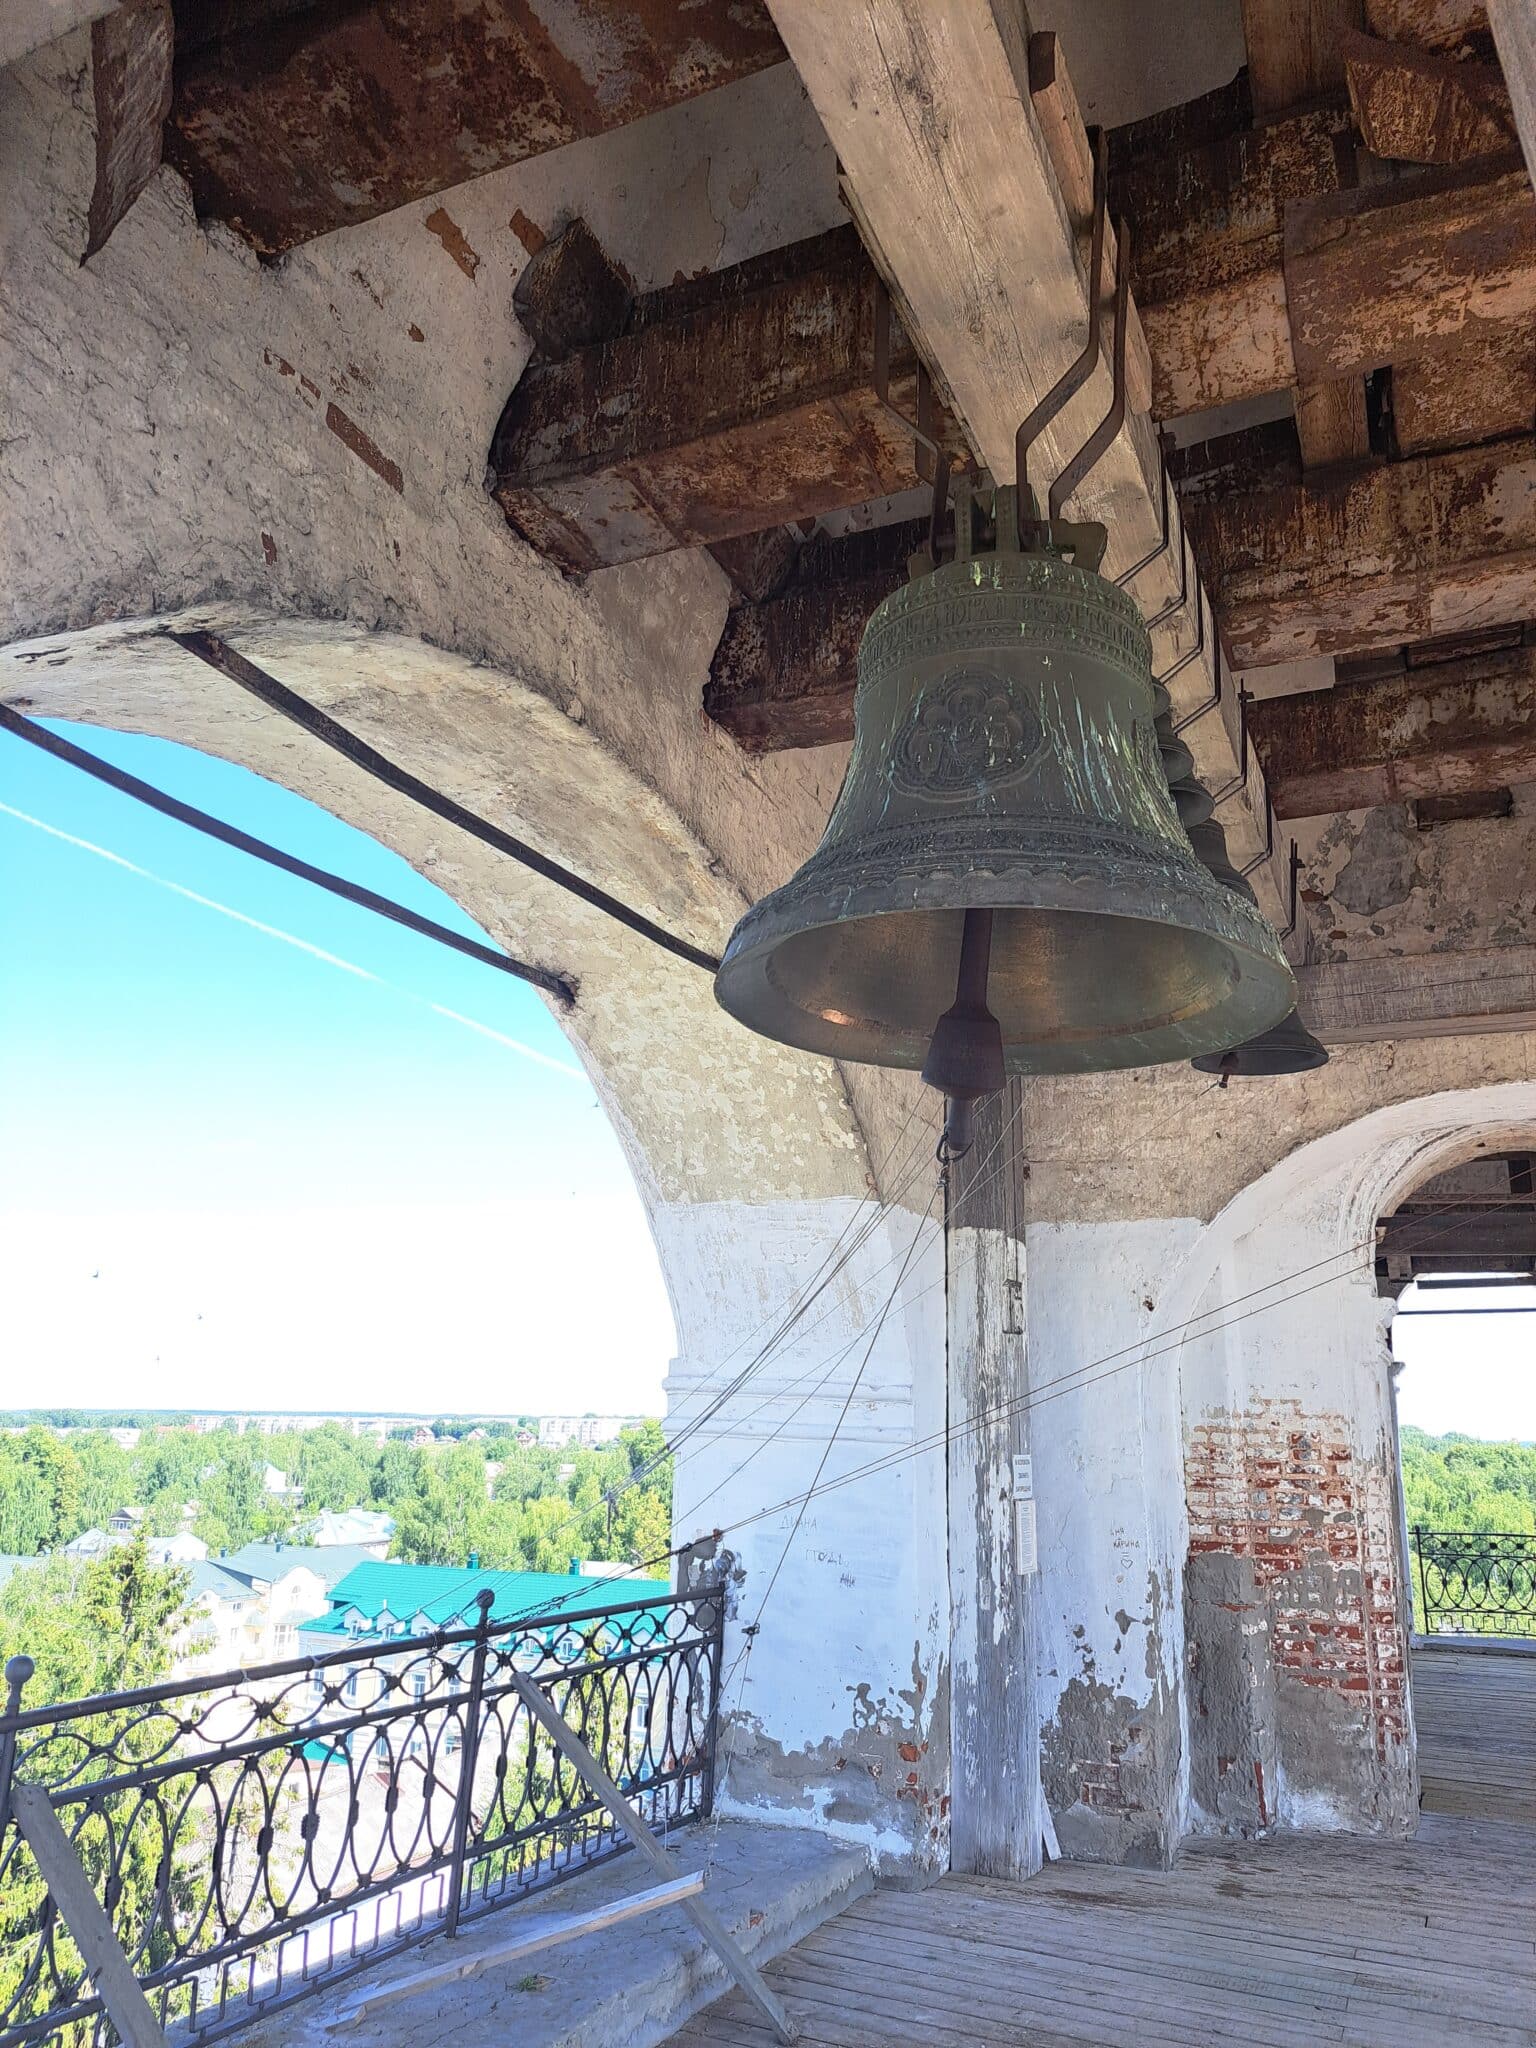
<point x="369" y="1529"/>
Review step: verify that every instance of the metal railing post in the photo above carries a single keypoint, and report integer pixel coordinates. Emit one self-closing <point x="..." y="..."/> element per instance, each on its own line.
<point x="1418" y="1551"/>
<point x="17" y="1672"/>
<point x="463" y="1812"/>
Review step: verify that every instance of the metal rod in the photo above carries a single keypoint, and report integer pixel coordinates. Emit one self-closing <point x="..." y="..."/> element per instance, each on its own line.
<point x="208" y="647"/>
<point x="1163" y="533"/>
<point x="1210" y="702"/>
<point x="1198" y="649"/>
<point x="1177" y="602"/>
<point x="463" y="1811"/>
<point x="1077" y="374"/>
<point x="560" y="986"/>
<point x="1093" y="448"/>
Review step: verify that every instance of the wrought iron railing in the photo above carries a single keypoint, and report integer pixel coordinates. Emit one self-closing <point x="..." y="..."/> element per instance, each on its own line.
<point x="257" y="1835"/>
<point x="1474" y="1584"/>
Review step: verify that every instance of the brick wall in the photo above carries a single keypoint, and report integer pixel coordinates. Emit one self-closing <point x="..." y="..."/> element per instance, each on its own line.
<point x="1292" y="1582"/>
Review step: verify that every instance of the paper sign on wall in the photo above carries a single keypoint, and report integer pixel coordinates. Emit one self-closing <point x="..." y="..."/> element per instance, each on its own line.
<point x="1023" y="1474"/>
<point x="1026" y="1548"/>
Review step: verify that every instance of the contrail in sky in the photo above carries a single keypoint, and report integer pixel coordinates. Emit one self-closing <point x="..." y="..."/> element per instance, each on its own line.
<point x="272" y="931"/>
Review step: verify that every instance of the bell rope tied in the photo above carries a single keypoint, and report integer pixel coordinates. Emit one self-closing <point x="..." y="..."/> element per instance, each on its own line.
<point x="1006" y="760"/>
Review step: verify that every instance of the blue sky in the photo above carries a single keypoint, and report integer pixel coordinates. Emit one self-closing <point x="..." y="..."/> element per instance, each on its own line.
<point x="233" y="1172"/>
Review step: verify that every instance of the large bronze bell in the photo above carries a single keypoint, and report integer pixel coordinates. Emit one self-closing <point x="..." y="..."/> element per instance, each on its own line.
<point x="1005" y="761"/>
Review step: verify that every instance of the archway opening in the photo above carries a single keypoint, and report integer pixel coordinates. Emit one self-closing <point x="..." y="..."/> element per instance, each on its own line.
<point x="316" y="1233"/>
<point x="1458" y="1256"/>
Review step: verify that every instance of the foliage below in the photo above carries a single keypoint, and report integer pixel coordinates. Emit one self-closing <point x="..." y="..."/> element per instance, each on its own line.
<point x="1461" y="1483"/>
<point x="515" y="1506"/>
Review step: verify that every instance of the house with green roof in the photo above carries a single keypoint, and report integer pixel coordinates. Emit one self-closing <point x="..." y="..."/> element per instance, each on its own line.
<point x="377" y="1600"/>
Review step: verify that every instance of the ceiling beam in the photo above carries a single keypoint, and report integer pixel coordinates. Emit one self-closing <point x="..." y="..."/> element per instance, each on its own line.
<point x="1258" y="267"/>
<point x="950" y="174"/>
<point x="1450" y="730"/>
<point x="784" y="672"/>
<point x="731" y="403"/>
<point x="1419" y="995"/>
<point x="289" y="128"/>
<point x="1514" y="36"/>
<point x="1424" y="107"/>
<point x="1394" y="552"/>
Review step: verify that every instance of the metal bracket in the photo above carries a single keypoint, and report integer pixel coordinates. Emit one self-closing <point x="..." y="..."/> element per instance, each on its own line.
<point x="1072" y="379"/>
<point x="921" y="429"/>
<point x="1093" y="448"/>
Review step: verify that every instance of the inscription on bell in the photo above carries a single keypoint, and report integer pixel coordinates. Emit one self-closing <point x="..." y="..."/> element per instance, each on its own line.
<point x="967" y="733"/>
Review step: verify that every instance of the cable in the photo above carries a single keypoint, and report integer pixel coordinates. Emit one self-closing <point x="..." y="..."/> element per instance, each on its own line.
<point x="1065" y="1383"/>
<point x="278" y="697"/>
<point x="1073" y="1382"/>
<point x="556" y="985"/>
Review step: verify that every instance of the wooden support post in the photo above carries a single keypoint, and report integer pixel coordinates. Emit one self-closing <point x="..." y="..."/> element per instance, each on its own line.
<point x="86" y="1918"/>
<point x="565" y="1738"/>
<point x="1514" y="34"/>
<point x="996" y="1823"/>
<point x="549" y="1930"/>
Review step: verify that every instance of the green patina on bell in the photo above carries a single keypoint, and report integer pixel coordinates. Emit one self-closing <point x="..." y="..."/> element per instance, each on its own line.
<point x="1005" y="761"/>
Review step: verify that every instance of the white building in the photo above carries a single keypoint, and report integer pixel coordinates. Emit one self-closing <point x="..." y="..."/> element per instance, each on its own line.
<point x="556" y="1431"/>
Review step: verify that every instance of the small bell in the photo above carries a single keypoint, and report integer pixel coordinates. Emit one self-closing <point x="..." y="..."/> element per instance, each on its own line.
<point x="1286" y="1048"/>
<point x="1005" y="761"/>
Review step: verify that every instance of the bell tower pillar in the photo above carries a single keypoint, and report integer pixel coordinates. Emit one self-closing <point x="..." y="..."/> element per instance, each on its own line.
<point x="995" y="1818"/>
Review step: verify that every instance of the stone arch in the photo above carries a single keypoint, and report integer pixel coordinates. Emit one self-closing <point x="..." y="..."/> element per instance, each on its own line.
<point x="750" y="1160"/>
<point x="1297" y="1708"/>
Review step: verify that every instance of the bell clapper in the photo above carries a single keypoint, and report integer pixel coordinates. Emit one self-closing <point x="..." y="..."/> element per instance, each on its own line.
<point x="965" y="1058"/>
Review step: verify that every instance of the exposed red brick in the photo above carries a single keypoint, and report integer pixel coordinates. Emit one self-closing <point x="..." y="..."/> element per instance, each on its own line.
<point x="352" y="436"/>
<point x="440" y="222"/>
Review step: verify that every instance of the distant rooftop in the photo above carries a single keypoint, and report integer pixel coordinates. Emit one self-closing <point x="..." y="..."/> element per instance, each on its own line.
<point x="267" y="1562"/>
<point x="443" y="1596"/>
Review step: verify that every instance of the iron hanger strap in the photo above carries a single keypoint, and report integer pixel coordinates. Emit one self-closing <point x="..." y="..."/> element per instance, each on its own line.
<point x="278" y="697"/>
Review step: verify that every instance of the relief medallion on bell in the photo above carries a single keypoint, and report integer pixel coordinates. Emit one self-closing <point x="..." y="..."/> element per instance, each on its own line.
<point x="966" y="734"/>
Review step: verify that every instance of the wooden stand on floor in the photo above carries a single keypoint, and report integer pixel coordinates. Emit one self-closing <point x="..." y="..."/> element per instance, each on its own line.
<point x="676" y="1889"/>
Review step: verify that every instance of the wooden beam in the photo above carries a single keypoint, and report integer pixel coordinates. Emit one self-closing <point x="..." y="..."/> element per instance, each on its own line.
<point x="571" y="294"/>
<point x="1514" y="34"/>
<point x="784" y="672"/>
<point x="1331" y="423"/>
<point x="1437" y="24"/>
<point x="1257" y="267"/>
<point x="730" y="404"/>
<point x="1483" y="388"/>
<point x="131" y="51"/>
<point x="1456" y="729"/>
<point x="1294" y="49"/>
<point x="1389" y="272"/>
<point x="1066" y="139"/>
<point x="1207" y="229"/>
<point x="1427" y="995"/>
<point x="340" y="113"/>
<point x="928" y="105"/>
<point x="1392" y="553"/>
<point x="74" y="1899"/>
<point x="1424" y="107"/>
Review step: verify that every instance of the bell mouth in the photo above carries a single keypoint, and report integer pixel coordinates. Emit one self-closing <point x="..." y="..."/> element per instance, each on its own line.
<point x="1073" y="991"/>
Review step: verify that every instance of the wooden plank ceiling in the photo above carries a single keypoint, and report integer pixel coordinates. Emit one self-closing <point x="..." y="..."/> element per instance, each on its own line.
<point x="1344" y="236"/>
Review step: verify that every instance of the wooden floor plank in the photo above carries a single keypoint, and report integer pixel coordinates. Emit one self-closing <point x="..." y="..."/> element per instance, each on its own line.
<point x="1289" y="1943"/>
